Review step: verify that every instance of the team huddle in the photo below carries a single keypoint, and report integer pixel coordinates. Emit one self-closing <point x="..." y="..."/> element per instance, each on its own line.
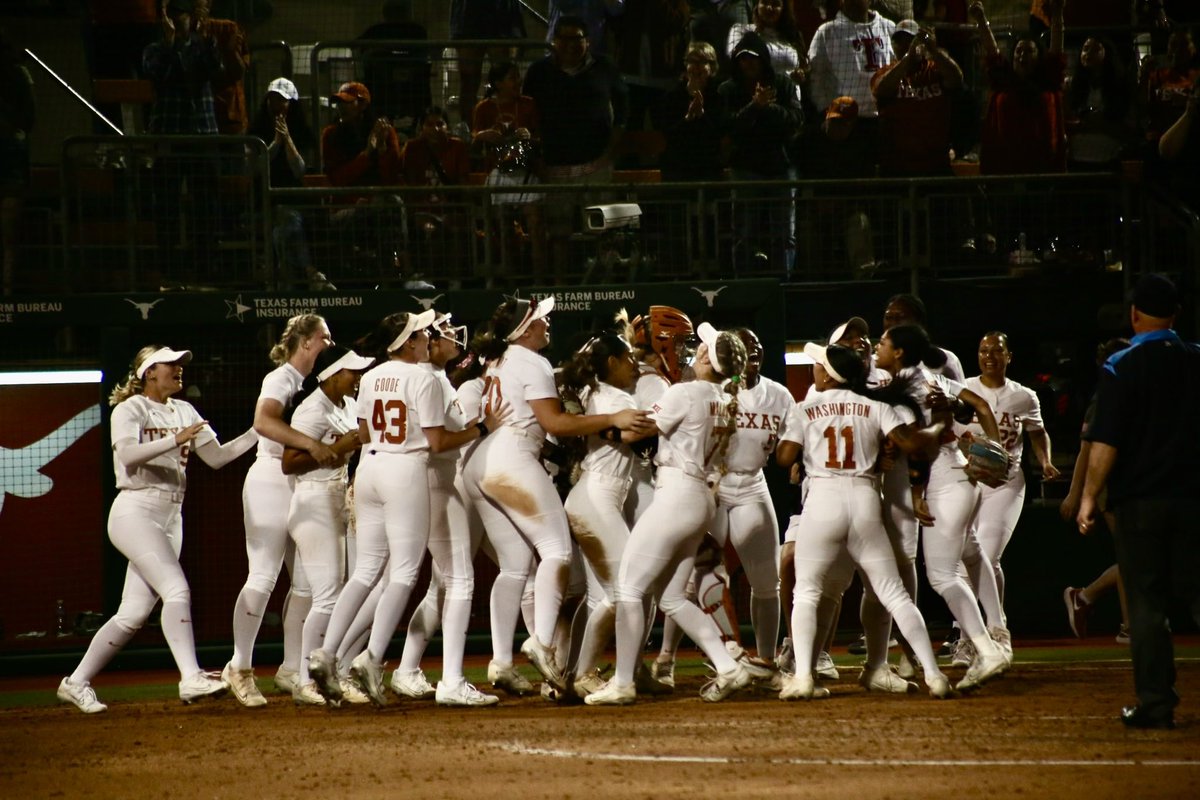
<point x="627" y="482"/>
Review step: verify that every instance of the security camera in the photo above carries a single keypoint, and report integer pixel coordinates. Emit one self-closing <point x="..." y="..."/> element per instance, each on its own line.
<point x="615" y="215"/>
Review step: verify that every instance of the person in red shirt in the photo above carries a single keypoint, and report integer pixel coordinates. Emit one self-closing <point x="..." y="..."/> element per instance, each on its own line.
<point x="1024" y="130"/>
<point x="435" y="158"/>
<point x="914" y="96"/>
<point x="1164" y="89"/>
<point x="359" y="149"/>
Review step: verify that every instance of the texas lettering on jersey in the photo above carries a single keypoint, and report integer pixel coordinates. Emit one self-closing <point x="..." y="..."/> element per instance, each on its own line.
<point x="154" y="434"/>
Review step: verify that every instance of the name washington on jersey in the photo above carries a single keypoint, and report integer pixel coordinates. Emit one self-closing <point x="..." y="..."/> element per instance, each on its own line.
<point x="846" y="409"/>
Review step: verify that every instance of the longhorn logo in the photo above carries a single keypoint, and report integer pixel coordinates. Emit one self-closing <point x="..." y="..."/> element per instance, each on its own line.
<point x="427" y="302"/>
<point x="144" y="307"/>
<point x="710" y="297"/>
<point x="20" y="469"/>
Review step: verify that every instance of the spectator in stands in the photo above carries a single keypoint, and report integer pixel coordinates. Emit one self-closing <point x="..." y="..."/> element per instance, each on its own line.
<point x="765" y="117"/>
<point x="914" y="96"/>
<point x="773" y="21"/>
<point x="435" y="158"/>
<point x="182" y="65"/>
<point x="1180" y="148"/>
<point x="475" y="20"/>
<point x="1164" y="90"/>
<point x="593" y="13"/>
<point x="648" y="41"/>
<point x="399" y="74"/>
<point x="692" y="118"/>
<point x="360" y="149"/>
<point x="711" y="21"/>
<point x="1098" y="101"/>
<point x="507" y="126"/>
<point x="115" y="35"/>
<point x="1024" y="130"/>
<point x="583" y="103"/>
<point x="229" y="95"/>
<point x="282" y="123"/>
<point x="16" y="123"/>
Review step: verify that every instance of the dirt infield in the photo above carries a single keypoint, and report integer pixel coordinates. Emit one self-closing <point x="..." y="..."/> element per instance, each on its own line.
<point x="1044" y="731"/>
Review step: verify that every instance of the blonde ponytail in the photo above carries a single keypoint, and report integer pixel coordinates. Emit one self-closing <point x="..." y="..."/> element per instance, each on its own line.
<point x="132" y="384"/>
<point x="298" y="328"/>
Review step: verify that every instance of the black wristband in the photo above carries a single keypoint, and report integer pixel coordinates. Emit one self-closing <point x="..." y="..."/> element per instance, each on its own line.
<point x="483" y="429"/>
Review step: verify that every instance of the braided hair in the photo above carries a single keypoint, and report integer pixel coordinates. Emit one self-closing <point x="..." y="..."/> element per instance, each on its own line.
<point x="731" y="354"/>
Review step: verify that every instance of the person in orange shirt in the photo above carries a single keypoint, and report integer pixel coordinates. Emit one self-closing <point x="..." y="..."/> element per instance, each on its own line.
<point x="229" y="95"/>
<point x="1164" y="90"/>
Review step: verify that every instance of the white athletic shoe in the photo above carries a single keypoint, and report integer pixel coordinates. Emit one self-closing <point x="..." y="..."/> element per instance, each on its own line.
<point x="1003" y="640"/>
<point x="982" y="670"/>
<point x="785" y="659"/>
<point x="241" y="682"/>
<point x="802" y="687"/>
<point x="351" y="693"/>
<point x="80" y="695"/>
<point x="413" y="684"/>
<point x="884" y="679"/>
<point x="369" y="676"/>
<point x="542" y="658"/>
<point x="646" y="683"/>
<point x="464" y="695"/>
<point x="664" y="672"/>
<point x="201" y="685"/>
<point x="286" y="680"/>
<point x="507" y="678"/>
<point x="307" y="694"/>
<point x="322" y="668"/>
<point x="825" y="667"/>
<point x="612" y="694"/>
<point x="905" y="667"/>
<point x="964" y="653"/>
<point x="939" y="688"/>
<point x="726" y="683"/>
<point x="589" y="682"/>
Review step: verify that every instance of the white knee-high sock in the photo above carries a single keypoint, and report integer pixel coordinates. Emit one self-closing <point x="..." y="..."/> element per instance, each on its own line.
<point x="630" y="617"/>
<point x="313" y="639"/>
<point x="601" y="626"/>
<point x="506" y="606"/>
<point x="672" y="636"/>
<point x="247" y="618"/>
<point x="804" y="629"/>
<point x="454" y="639"/>
<point x="702" y="630"/>
<point x="421" y="628"/>
<point x="105" y="644"/>
<point x="912" y="625"/>
<point x="548" y="590"/>
<point x="295" y="612"/>
<point x="877" y="626"/>
<point x="177" y="630"/>
<point x="349" y="602"/>
<point x="764" y="616"/>
<point x="387" y="618"/>
<point x="351" y="647"/>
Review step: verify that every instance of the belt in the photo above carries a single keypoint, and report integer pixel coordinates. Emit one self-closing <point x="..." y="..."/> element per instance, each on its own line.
<point x="161" y="494"/>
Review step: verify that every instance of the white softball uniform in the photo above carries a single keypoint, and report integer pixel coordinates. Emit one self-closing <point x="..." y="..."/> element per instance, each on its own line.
<point x="844" y="55"/>
<point x="841" y="433"/>
<point x="1017" y="410"/>
<point x="745" y="513"/>
<point x="517" y="501"/>
<point x="649" y="387"/>
<point x="145" y="524"/>
<point x="265" y="500"/>
<point x="661" y="550"/>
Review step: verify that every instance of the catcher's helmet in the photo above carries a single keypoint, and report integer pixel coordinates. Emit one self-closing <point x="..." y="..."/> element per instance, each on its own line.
<point x="665" y="330"/>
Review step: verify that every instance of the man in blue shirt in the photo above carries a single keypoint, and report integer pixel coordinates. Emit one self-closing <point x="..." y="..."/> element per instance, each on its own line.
<point x="1143" y="446"/>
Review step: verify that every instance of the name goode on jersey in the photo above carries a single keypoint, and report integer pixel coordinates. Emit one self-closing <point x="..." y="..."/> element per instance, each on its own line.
<point x="847" y="409"/>
<point x="383" y="384"/>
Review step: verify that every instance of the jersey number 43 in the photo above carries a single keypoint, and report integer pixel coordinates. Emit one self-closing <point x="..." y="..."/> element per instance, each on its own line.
<point x="390" y="420"/>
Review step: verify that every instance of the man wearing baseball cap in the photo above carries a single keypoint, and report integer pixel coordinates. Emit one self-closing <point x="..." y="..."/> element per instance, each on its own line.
<point x="914" y="94"/>
<point x="1143" y="443"/>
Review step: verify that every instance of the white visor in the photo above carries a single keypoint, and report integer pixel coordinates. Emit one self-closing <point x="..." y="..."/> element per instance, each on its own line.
<point x="529" y="312"/>
<point x="163" y="355"/>
<point x="819" y="354"/>
<point x="416" y="322"/>
<point x="350" y="360"/>
<point x="708" y="336"/>
<point x="853" y="324"/>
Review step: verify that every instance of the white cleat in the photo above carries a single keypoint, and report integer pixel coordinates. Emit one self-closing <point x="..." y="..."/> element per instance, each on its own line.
<point x="200" y="686"/>
<point x="726" y="683"/>
<point x="647" y="684"/>
<point x="307" y="694"/>
<point x="286" y="680"/>
<point x="542" y="658"/>
<point x="802" y="687"/>
<point x="664" y="672"/>
<point x="243" y="686"/>
<point x="825" y="667"/>
<point x="588" y="682"/>
<point x="413" y="684"/>
<point x="939" y="688"/>
<point x="1003" y="640"/>
<point x="905" y="667"/>
<point x="80" y="695"/>
<point x="964" y="653"/>
<point x="982" y="670"/>
<point x="369" y="676"/>
<point x="351" y="693"/>
<point x="464" y="695"/>
<point x="785" y="659"/>
<point x="884" y="679"/>
<point x="506" y="678"/>
<point x="322" y="667"/>
<point x="612" y="694"/>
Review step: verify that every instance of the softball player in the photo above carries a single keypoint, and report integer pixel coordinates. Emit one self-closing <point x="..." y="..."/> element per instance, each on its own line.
<point x="951" y="500"/>
<point x="317" y="515"/>
<point x="695" y="422"/>
<point x="1016" y="409"/>
<point x="266" y="498"/>
<point x="599" y="378"/>
<point x="840" y="430"/>
<point x="516" y="499"/>
<point x="152" y="435"/>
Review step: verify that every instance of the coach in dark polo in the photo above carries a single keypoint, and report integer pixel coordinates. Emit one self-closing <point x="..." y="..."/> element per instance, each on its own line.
<point x="1144" y="447"/>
